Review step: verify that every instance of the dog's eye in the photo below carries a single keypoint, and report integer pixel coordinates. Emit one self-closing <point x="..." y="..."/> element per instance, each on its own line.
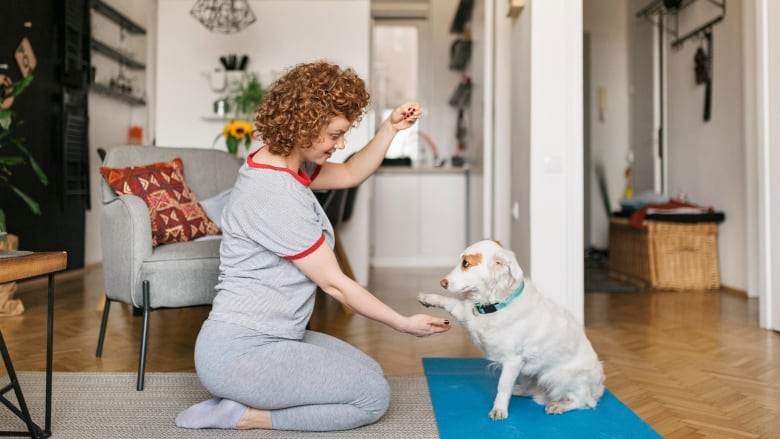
<point x="465" y="264"/>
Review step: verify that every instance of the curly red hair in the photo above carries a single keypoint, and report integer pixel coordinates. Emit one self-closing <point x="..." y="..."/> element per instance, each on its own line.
<point x="303" y="101"/>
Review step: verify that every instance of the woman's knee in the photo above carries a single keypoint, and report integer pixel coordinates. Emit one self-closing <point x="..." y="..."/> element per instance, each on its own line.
<point x="378" y="400"/>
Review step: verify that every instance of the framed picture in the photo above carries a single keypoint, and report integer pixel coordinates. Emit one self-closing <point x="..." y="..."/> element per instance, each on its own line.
<point x="25" y="57"/>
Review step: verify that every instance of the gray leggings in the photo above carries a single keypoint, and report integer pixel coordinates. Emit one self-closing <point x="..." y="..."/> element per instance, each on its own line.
<point x="319" y="383"/>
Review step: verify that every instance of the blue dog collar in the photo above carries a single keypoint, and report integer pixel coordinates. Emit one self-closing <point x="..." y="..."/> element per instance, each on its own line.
<point x="493" y="307"/>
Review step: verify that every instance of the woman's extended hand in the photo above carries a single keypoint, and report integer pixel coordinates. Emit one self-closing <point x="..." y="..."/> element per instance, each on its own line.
<point x="423" y="325"/>
<point x="405" y="116"/>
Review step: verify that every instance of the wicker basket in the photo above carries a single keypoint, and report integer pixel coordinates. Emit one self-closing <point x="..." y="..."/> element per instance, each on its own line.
<point x="665" y="255"/>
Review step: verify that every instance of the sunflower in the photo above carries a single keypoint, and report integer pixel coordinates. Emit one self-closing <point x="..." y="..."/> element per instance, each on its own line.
<point x="235" y="133"/>
<point x="240" y="129"/>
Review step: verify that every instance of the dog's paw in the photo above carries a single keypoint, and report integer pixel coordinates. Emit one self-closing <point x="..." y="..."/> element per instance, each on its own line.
<point x="427" y="300"/>
<point x="556" y="408"/>
<point x="498" y="413"/>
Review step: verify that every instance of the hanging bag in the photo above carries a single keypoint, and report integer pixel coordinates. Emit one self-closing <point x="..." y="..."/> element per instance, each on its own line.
<point x="460" y="54"/>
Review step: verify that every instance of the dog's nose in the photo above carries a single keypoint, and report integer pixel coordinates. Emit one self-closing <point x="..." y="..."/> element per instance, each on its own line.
<point x="444" y="283"/>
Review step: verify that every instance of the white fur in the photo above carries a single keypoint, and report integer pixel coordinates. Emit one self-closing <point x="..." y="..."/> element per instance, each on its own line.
<point x="542" y="350"/>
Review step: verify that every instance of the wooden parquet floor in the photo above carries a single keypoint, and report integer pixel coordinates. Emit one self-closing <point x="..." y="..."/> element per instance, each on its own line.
<point x="692" y="364"/>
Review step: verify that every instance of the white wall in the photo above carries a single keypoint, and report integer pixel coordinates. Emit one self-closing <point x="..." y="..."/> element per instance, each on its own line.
<point x="287" y="32"/>
<point x="706" y="159"/>
<point x="605" y="21"/>
<point x="547" y="148"/>
<point x="762" y="102"/>
<point x="771" y="297"/>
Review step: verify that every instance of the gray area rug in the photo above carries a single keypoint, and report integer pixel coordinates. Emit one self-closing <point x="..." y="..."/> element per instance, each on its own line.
<point x="103" y="405"/>
<point x="597" y="281"/>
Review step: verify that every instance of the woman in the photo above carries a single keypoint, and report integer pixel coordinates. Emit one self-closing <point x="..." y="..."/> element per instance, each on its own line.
<point x="253" y="352"/>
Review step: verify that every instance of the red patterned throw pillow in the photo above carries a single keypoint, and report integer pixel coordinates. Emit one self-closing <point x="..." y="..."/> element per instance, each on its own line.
<point x="174" y="210"/>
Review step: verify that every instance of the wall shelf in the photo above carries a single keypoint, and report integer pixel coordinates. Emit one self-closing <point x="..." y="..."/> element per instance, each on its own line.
<point x="108" y="91"/>
<point x="117" y="17"/>
<point x="116" y="55"/>
<point x="217" y="118"/>
<point x="126" y="25"/>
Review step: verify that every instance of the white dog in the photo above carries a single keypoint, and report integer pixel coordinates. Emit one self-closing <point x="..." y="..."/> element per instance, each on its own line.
<point x="542" y="350"/>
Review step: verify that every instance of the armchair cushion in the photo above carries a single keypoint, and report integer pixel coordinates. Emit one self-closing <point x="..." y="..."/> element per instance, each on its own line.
<point x="176" y="215"/>
<point x="215" y="205"/>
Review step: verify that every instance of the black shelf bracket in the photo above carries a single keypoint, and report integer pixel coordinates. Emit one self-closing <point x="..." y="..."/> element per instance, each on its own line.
<point x="666" y="13"/>
<point x="703" y="30"/>
<point x="117" y="17"/>
<point x="108" y="91"/>
<point x="116" y="55"/>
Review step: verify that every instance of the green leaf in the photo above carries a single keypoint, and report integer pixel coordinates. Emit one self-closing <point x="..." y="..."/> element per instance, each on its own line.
<point x="32" y="204"/>
<point x="36" y="168"/>
<point x="6" y="162"/>
<point x="232" y="144"/>
<point x="11" y="160"/>
<point x="2" y="222"/>
<point x="18" y="87"/>
<point x="5" y="118"/>
<point x="217" y="138"/>
<point x="248" y="97"/>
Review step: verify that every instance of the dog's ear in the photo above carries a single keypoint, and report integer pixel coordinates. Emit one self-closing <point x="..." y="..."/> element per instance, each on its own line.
<point x="505" y="269"/>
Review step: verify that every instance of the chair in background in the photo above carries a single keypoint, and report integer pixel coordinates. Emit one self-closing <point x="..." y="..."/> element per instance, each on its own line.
<point x="174" y="275"/>
<point x="338" y="205"/>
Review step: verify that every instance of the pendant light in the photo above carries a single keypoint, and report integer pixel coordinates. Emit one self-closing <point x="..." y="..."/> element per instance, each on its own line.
<point x="223" y="16"/>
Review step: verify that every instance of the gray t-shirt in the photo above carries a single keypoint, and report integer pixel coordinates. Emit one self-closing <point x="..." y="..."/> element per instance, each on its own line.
<point x="271" y="219"/>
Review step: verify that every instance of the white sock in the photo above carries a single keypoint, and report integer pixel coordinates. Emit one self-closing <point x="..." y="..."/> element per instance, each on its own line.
<point x="212" y="413"/>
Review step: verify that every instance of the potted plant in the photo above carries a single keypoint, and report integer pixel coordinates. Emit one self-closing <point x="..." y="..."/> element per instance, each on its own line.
<point x="13" y="153"/>
<point x="243" y="102"/>
<point x="248" y="97"/>
<point x="236" y="132"/>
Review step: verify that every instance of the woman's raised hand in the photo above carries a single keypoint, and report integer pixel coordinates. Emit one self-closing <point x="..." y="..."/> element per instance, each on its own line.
<point x="405" y="116"/>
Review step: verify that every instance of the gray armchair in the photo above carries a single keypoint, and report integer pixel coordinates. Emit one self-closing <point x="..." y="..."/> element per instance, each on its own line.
<point x="170" y="275"/>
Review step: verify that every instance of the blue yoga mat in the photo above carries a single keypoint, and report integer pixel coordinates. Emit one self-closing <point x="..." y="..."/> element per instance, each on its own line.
<point x="463" y="389"/>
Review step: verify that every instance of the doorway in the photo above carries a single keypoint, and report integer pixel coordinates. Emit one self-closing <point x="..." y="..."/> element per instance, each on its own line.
<point x="623" y="75"/>
<point x="395" y="76"/>
<point x="624" y="114"/>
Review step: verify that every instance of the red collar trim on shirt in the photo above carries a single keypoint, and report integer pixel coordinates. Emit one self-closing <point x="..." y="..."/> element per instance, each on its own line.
<point x="300" y="176"/>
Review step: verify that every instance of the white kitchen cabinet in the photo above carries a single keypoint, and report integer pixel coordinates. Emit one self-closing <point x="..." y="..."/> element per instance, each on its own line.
<point x="419" y="217"/>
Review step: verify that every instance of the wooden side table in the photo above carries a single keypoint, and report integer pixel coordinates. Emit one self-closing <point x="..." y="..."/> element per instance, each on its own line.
<point x="15" y="266"/>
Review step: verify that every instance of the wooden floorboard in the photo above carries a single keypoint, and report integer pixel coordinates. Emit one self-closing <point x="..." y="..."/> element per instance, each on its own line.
<point x="693" y="364"/>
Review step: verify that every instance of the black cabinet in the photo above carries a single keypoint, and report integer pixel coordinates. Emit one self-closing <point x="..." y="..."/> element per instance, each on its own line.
<point x="55" y="114"/>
